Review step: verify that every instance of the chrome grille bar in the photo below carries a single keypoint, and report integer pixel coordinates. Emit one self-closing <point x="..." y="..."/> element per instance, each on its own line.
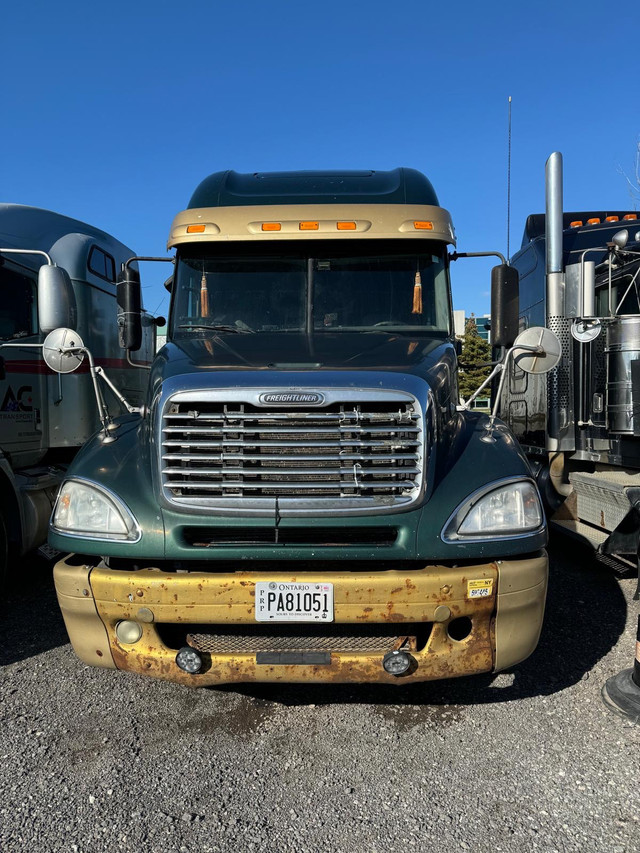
<point x="259" y="472"/>
<point x="400" y="417"/>
<point x="299" y="457"/>
<point x="358" y="428"/>
<point x="240" y="442"/>
<point x="297" y="485"/>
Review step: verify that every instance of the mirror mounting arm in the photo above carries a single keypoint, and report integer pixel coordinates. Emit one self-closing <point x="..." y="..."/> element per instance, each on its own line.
<point x="108" y="426"/>
<point x="145" y="258"/>
<point x="453" y="256"/>
<point x="133" y="410"/>
<point x="28" y="252"/>
<point x="535" y="350"/>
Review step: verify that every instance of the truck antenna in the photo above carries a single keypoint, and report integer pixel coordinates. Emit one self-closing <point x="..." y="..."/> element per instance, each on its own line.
<point x="509" y="186"/>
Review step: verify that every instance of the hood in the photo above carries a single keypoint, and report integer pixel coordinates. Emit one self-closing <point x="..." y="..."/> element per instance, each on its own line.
<point x="288" y="358"/>
<point x="271" y="351"/>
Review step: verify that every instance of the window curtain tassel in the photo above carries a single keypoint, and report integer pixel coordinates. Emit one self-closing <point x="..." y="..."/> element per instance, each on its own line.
<point x="417" y="294"/>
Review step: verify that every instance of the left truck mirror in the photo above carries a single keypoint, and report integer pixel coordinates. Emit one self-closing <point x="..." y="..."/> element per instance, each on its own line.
<point x="129" y="298"/>
<point x="56" y="299"/>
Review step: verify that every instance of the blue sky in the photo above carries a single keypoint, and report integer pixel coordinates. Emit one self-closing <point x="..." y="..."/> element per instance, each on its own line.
<point x="113" y="112"/>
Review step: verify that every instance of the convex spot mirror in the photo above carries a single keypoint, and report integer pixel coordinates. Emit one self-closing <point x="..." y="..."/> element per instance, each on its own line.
<point x="505" y="284"/>
<point x="56" y="299"/>
<point x="56" y="354"/>
<point x="536" y="350"/>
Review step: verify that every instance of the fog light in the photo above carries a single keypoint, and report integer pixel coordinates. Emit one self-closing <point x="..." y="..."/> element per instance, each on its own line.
<point x="397" y="663"/>
<point x="128" y="632"/>
<point x="189" y="660"/>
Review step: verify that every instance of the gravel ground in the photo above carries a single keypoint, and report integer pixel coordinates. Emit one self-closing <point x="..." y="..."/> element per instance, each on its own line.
<point x="526" y="760"/>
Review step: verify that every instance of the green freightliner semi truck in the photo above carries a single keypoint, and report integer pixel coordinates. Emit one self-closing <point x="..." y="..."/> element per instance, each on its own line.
<point x="302" y="497"/>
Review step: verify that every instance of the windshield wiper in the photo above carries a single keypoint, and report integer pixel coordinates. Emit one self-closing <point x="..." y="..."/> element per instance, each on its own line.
<point x="391" y="330"/>
<point x="221" y="327"/>
<point x="380" y="330"/>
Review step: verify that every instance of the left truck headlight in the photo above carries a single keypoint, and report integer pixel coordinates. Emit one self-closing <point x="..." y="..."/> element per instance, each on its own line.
<point x="86" y="509"/>
<point x="504" y="510"/>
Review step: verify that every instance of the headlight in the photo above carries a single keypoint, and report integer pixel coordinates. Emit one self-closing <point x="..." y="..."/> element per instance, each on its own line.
<point x="84" y="509"/>
<point x="508" y="509"/>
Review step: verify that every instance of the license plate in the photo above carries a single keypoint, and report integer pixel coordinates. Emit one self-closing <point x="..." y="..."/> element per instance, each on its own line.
<point x="294" y="602"/>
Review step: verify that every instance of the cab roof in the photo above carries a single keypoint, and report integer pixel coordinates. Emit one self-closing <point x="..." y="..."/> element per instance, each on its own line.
<point x="535" y="225"/>
<point x="396" y="186"/>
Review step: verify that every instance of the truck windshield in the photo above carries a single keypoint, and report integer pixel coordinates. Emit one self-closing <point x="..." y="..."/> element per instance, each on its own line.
<point x="329" y="291"/>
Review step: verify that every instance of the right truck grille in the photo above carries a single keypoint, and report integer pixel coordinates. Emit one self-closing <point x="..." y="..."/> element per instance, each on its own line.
<point x="223" y="453"/>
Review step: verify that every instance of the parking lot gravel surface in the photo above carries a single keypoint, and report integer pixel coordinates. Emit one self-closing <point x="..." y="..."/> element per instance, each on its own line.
<point x="529" y="759"/>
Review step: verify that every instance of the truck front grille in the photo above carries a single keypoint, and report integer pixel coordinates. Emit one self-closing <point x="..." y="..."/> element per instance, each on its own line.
<point x="345" y="454"/>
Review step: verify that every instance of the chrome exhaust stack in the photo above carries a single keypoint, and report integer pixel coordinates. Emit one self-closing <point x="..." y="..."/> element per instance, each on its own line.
<point x="553" y="234"/>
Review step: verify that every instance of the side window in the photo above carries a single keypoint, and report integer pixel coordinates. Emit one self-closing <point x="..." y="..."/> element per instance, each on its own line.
<point x="18" y="306"/>
<point x="531" y="278"/>
<point x="102" y="264"/>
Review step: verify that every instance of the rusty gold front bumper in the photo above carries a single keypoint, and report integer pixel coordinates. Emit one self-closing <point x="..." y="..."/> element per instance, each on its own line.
<point x="454" y="621"/>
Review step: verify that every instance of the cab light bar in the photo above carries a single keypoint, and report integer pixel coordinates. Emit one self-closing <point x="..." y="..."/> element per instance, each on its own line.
<point x="314" y="225"/>
<point x="195" y="229"/>
<point x="423" y="226"/>
<point x="578" y="223"/>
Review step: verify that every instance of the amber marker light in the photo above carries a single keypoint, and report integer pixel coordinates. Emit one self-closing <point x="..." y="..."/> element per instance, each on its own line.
<point x="195" y="229"/>
<point x="271" y="226"/>
<point x="630" y="216"/>
<point x="346" y="226"/>
<point x="423" y="226"/>
<point x="594" y="221"/>
<point x="308" y="226"/>
<point x="576" y="223"/>
<point x="612" y="219"/>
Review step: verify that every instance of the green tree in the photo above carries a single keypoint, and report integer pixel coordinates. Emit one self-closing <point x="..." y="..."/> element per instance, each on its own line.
<point x="475" y="352"/>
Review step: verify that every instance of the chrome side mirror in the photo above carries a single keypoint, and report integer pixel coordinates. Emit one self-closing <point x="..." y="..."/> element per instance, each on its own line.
<point x="620" y="238"/>
<point x="56" y="299"/>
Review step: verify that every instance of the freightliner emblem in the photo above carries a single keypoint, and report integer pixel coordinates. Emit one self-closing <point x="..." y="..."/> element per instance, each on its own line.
<point x="292" y="398"/>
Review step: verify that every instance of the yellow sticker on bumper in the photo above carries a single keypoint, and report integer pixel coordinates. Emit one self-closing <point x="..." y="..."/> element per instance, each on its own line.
<point x="480" y="588"/>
